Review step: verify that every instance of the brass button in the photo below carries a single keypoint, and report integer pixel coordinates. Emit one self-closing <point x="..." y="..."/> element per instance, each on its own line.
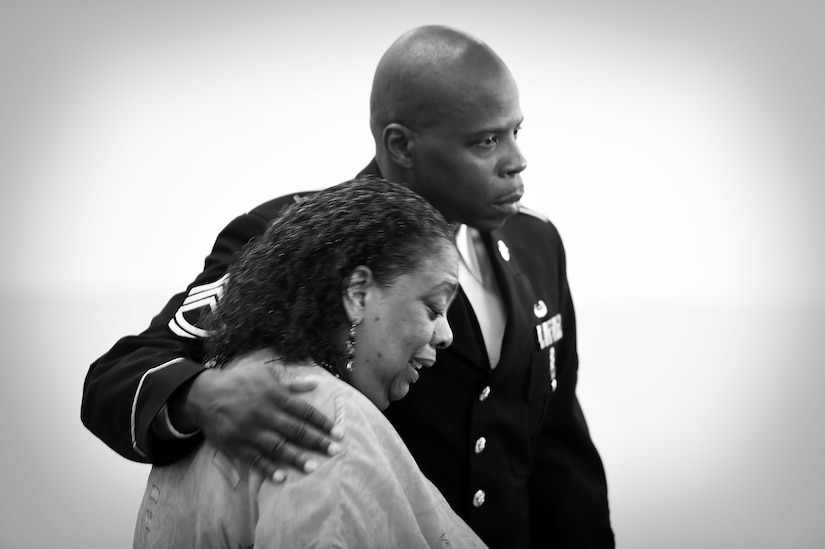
<point x="478" y="498"/>
<point x="481" y="443"/>
<point x="485" y="392"/>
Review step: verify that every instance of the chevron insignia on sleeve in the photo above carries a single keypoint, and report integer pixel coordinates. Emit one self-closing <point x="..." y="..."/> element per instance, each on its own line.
<point x="190" y="313"/>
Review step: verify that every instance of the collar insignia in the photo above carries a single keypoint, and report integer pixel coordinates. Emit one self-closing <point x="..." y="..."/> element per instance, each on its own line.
<point x="503" y="250"/>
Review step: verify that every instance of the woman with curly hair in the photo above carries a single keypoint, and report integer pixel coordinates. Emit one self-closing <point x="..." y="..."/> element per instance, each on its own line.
<point x="350" y="285"/>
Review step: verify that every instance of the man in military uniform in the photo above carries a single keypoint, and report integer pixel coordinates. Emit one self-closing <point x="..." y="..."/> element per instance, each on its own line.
<point x="496" y="425"/>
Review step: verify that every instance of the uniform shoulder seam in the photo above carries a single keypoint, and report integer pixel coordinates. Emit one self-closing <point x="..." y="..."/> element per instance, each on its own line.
<point x="534" y="213"/>
<point x="274" y="206"/>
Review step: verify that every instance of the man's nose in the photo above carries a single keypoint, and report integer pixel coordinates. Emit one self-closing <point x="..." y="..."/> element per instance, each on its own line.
<point x="516" y="162"/>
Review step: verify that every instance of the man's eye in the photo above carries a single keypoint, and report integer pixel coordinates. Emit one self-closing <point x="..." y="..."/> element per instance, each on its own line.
<point x="488" y="141"/>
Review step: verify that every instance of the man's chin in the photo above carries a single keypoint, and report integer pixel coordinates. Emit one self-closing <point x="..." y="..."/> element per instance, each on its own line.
<point x="488" y="224"/>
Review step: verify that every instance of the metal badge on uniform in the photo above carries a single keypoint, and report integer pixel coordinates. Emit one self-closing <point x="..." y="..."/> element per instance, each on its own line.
<point x="549" y="331"/>
<point x="503" y="250"/>
<point x="540" y="309"/>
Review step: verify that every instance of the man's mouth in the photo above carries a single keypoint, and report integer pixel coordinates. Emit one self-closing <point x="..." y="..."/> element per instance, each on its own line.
<point x="510" y="198"/>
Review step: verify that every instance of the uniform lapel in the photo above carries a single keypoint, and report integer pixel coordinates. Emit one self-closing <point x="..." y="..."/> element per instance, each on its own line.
<point x="510" y="282"/>
<point x="467" y="340"/>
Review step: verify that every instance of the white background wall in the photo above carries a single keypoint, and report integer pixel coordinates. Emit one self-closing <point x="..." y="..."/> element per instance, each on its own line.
<point x="678" y="146"/>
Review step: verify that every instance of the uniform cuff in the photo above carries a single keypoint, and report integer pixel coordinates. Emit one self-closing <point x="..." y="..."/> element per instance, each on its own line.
<point x="164" y="426"/>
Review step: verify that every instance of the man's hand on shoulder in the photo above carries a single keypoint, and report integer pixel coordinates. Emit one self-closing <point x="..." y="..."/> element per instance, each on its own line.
<point x="254" y="417"/>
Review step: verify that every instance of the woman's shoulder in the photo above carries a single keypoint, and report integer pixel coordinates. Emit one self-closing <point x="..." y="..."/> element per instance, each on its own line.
<point x="331" y="395"/>
<point x="327" y="385"/>
<point x="364" y="426"/>
<point x="366" y="430"/>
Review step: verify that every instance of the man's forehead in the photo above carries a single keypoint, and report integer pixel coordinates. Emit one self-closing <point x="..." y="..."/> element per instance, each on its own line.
<point x="479" y="115"/>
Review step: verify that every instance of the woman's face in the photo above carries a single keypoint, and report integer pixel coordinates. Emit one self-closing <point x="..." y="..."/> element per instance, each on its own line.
<point x="402" y="326"/>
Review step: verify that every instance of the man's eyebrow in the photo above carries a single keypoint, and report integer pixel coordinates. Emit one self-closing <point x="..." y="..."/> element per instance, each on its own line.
<point x="503" y="127"/>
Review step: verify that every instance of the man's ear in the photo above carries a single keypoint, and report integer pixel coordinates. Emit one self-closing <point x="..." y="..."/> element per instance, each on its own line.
<point x="356" y="287"/>
<point x="399" y="144"/>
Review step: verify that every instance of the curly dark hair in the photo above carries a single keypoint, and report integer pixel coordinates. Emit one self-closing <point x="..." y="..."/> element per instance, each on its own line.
<point x="285" y="290"/>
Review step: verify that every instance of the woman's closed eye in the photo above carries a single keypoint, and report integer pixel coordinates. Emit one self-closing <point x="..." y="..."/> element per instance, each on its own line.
<point x="435" y="311"/>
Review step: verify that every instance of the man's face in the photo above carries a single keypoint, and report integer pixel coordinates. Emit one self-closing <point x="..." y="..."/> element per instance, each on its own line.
<point x="468" y="164"/>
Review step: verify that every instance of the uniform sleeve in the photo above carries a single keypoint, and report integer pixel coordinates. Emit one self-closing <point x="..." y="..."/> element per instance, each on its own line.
<point x="126" y="388"/>
<point x="567" y="485"/>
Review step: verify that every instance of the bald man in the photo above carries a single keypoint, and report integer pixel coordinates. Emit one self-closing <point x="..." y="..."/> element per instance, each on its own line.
<point x="496" y="425"/>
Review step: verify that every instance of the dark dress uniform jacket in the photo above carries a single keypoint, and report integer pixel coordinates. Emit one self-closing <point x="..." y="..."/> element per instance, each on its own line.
<point x="508" y="447"/>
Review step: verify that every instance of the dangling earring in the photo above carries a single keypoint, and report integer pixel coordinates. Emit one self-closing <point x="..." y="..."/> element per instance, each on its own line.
<point x="351" y="344"/>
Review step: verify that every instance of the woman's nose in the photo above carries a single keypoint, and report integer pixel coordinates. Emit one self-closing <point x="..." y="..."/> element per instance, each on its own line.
<point x="443" y="334"/>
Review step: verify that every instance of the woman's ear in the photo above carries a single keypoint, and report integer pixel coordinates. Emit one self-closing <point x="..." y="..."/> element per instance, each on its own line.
<point x="399" y="144"/>
<point x="356" y="287"/>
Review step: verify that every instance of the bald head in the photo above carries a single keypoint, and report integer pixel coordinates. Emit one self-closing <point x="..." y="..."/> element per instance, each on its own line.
<point x="445" y="116"/>
<point x="426" y="74"/>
